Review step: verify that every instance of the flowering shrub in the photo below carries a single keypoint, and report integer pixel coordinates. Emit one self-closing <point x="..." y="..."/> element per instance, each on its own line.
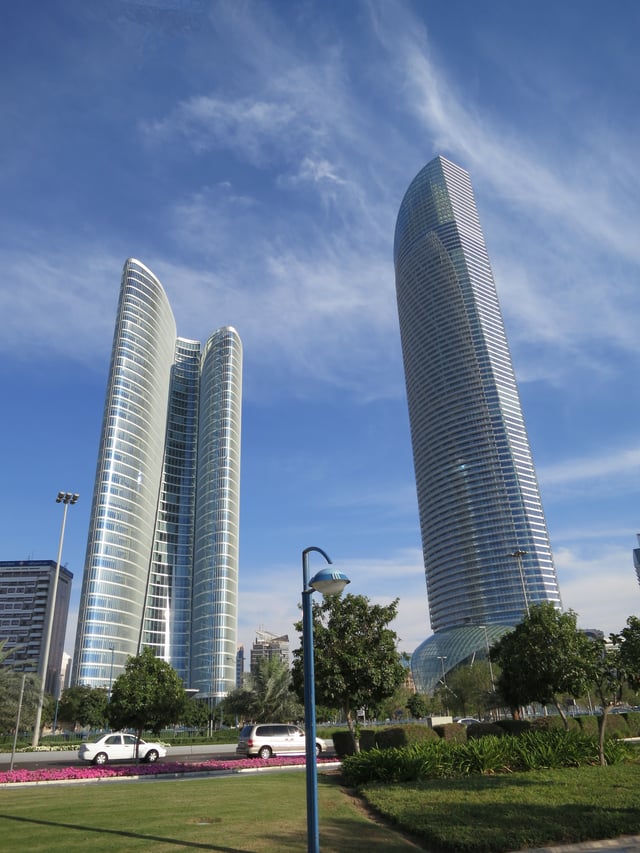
<point x="65" y="774"/>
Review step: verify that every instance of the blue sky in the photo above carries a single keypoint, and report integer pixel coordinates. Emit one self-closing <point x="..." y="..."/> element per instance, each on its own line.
<point x="254" y="156"/>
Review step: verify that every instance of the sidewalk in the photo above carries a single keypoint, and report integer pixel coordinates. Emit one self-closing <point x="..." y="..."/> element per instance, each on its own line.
<point x="624" y="844"/>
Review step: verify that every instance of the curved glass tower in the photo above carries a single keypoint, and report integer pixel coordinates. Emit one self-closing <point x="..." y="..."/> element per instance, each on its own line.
<point x="486" y="547"/>
<point x="146" y="582"/>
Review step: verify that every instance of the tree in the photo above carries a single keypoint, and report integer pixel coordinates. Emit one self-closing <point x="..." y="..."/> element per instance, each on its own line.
<point x="149" y="694"/>
<point x="604" y="667"/>
<point x="267" y="695"/>
<point x="356" y="660"/>
<point x="629" y="645"/>
<point x="543" y="660"/>
<point x="468" y="689"/>
<point x="10" y="688"/>
<point x="85" y="706"/>
<point x="418" y="705"/>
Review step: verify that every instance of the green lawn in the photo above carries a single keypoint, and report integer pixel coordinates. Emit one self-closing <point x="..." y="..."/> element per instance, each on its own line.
<point x="265" y="813"/>
<point x="494" y="814"/>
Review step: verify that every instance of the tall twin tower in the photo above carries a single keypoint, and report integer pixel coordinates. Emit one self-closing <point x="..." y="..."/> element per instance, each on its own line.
<point x="486" y="547"/>
<point x="162" y="555"/>
<point x="161" y="568"/>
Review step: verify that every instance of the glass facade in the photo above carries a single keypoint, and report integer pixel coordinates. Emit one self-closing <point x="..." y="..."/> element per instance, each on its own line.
<point x="486" y="547"/>
<point x="140" y="567"/>
<point x="215" y="587"/>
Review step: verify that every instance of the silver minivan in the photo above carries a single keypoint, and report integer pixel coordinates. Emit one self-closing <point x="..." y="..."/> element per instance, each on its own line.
<point x="267" y="739"/>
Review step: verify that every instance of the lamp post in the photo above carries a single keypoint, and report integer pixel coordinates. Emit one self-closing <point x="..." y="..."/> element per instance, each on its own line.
<point x="328" y="583"/>
<point x="112" y="650"/>
<point x="518" y="554"/>
<point x="442" y="659"/>
<point x="65" y="498"/>
<point x="486" y="638"/>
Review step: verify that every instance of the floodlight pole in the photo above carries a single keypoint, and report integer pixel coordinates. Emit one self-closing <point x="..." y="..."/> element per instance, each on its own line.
<point x="66" y="498"/>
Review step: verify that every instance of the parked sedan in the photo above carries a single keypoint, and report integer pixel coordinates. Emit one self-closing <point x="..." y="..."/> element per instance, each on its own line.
<point x="120" y="746"/>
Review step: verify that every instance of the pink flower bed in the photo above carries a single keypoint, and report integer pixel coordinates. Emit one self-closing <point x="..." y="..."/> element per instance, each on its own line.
<point x="65" y="774"/>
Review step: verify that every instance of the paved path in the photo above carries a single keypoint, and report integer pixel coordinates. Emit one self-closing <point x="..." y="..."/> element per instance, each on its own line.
<point x="624" y="844"/>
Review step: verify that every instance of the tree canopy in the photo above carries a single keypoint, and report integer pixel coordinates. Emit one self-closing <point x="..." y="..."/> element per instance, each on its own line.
<point x="542" y="659"/>
<point x="357" y="663"/>
<point x="84" y="705"/>
<point x="629" y="644"/>
<point x="10" y="688"/>
<point x="149" y="694"/>
<point x="266" y="695"/>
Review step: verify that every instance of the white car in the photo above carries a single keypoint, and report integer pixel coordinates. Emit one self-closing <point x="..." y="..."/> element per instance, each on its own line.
<point x="120" y="746"/>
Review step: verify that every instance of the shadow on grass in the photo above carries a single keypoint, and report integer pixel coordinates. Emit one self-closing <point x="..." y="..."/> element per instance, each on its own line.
<point x="502" y="813"/>
<point x="123" y="833"/>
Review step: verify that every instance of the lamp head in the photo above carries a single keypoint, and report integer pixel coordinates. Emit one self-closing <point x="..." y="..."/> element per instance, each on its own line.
<point x="329" y="582"/>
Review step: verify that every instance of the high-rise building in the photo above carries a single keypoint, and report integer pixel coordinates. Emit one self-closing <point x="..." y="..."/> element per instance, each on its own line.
<point x="25" y="603"/>
<point x="161" y="568"/>
<point x="486" y="547"/>
<point x="269" y="646"/>
<point x="636" y="558"/>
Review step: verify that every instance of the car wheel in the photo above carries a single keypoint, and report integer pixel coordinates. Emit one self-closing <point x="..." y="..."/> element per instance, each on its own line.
<point x="265" y="752"/>
<point x="101" y="758"/>
<point x="318" y="750"/>
<point x="151" y="756"/>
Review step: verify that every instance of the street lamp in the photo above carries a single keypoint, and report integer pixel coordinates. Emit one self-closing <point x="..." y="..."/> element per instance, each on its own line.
<point x="518" y="554"/>
<point x="328" y="583"/>
<point x="65" y="498"/>
<point x="112" y="650"/>
<point x="442" y="659"/>
<point x="486" y="638"/>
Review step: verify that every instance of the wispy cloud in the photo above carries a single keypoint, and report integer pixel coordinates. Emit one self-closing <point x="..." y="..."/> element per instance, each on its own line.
<point x="557" y="225"/>
<point x="599" y="585"/>
<point x="248" y="126"/>
<point x="403" y="571"/>
<point x="624" y="462"/>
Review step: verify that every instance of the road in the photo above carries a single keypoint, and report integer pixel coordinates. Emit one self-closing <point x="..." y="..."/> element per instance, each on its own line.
<point x="37" y="760"/>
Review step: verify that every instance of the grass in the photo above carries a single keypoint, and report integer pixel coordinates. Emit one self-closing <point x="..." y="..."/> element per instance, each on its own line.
<point x="266" y="813"/>
<point x="494" y="814"/>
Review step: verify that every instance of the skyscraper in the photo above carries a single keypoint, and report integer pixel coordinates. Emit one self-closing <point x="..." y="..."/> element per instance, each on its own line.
<point x="486" y="547"/>
<point x="161" y="567"/>
<point x="26" y="599"/>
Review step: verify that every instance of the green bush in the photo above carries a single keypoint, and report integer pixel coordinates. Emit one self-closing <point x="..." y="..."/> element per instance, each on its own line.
<point x="513" y="727"/>
<point x="478" y="730"/>
<point x="452" y="732"/>
<point x="406" y="735"/>
<point x="617" y="725"/>
<point x="343" y="743"/>
<point x="588" y="724"/>
<point x="553" y="721"/>
<point x="633" y="721"/>
<point x="367" y="739"/>
<point x="441" y="759"/>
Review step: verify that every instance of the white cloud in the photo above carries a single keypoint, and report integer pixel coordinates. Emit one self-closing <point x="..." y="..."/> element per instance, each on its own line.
<point x="274" y="607"/>
<point x="250" y="127"/>
<point x="624" y="462"/>
<point x="599" y="584"/>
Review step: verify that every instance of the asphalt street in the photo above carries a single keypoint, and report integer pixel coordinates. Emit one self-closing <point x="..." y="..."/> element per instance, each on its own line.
<point x="37" y="760"/>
